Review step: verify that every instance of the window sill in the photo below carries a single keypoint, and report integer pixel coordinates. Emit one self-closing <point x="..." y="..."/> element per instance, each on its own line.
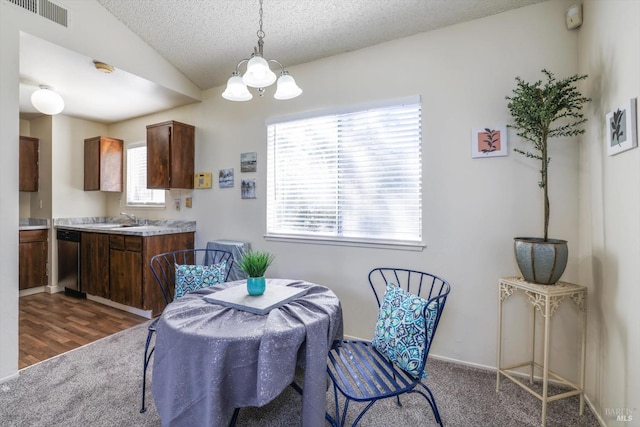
<point x="374" y="244"/>
<point x="134" y="206"/>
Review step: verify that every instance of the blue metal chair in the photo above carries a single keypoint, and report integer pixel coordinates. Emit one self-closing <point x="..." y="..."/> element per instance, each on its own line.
<point x="163" y="269"/>
<point x="361" y="373"/>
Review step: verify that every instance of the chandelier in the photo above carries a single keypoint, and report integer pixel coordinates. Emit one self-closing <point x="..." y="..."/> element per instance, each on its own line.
<point x="258" y="74"/>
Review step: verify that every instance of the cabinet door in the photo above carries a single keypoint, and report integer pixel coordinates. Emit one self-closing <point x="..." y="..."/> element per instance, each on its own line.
<point x="28" y="164"/>
<point x="32" y="264"/>
<point x="182" y="155"/>
<point x="103" y="164"/>
<point x="94" y="264"/>
<point x="158" y="153"/>
<point x="126" y="277"/>
<point x="111" y="164"/>
<point x="170" y="155"/>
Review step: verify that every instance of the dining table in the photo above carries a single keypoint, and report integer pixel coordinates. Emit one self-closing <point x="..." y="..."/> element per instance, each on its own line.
<point x="211" y="358"/>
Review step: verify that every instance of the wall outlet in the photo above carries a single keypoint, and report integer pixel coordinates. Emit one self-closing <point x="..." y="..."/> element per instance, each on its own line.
<point x="187" y="202"/>
<point x="177" y="202"/>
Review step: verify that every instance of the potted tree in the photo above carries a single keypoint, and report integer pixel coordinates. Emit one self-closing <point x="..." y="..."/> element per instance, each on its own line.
<point x="255" y="264"/>
<point x="544" y="110"/>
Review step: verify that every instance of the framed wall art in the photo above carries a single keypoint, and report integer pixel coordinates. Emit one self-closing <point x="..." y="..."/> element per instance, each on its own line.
<point x="622" y="134"/>
<point x="225" y="178"/>
<point x="248" y="189"/>
<point x="489" y="142"/>
<point x="248" y="162"/>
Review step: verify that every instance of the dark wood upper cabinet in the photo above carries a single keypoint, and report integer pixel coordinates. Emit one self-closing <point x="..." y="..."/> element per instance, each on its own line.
<point x="170" y="155"/>
<point x="103" y="164"/>
<point x="29" y="148"/>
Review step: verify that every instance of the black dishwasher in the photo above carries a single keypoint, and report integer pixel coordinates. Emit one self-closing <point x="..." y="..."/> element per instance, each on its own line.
<point x="69" y="262"/>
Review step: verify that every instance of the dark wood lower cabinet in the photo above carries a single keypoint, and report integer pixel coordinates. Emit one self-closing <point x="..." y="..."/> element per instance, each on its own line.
<point x="33" y="250"/>
<point x="94" y="264"/>
<point x="125" y="269"/>
<point x="116" y="266"/>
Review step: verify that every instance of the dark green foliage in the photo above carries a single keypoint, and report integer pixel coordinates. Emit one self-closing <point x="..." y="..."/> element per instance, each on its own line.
<point x="536" y="108"/>
<point x="255" y="263"/>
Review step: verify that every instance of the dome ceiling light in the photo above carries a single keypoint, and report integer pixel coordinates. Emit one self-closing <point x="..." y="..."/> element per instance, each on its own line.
<point x="258" y="74"/>
<point x="47" y="101"/>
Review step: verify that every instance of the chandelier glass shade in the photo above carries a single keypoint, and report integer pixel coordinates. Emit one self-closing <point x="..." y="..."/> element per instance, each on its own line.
<point x="47" y="101"/>
<point x="258" y="74"/>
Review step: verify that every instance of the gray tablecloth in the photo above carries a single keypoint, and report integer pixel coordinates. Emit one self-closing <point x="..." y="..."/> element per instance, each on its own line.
<point x="210" y="359"/>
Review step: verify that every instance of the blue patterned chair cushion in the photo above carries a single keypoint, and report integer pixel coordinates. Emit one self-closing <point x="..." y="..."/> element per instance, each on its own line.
<point x="401" y="328"/>
<point x="190" y="278"/>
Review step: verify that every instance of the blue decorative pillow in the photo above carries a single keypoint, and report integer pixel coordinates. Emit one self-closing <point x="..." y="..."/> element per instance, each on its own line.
<point x="401" y="328"/>
<point x="190" y="278"/>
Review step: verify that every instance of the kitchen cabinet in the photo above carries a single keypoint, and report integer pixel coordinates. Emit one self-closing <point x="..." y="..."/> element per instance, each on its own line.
<point x="131" y="281"/>
<point x="94" y="264"/>
<point x="103" y="164"/>
<point x="170" y="155"/>
<point x="33" y="252"/>
<point x="28" y="164"/>
<point x="125" y="269"/>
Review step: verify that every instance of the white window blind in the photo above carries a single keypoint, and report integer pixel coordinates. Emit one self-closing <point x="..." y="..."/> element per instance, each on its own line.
<point x="354" y="176"/>
<point x="137" y="192"/>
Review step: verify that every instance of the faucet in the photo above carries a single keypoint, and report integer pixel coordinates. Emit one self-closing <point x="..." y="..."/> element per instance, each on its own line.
<point x="130" y="216"/>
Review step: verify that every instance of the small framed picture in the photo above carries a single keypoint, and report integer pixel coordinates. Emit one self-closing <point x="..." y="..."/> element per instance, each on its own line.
<point x="489" y="142"/>
<point x="621" y="128"/>
<point x="248" y="189"/>
<point x="225" y="178"/>
<point x="248" y="162"/>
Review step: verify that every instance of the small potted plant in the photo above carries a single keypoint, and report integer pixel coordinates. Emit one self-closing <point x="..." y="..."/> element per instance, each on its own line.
<point x="544" y="110"/>
<point x="255" y="264"/>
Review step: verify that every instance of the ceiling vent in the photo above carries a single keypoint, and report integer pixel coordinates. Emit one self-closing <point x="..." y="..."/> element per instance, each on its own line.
<point x="44" y="8"/>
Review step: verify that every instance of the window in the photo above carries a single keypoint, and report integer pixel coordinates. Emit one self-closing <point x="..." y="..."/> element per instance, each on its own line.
<point x="137" y="192"/>
<point x="351" y="176"/>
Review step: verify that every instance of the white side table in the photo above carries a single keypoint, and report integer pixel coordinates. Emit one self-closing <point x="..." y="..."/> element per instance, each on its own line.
<point x="545" y="299"/>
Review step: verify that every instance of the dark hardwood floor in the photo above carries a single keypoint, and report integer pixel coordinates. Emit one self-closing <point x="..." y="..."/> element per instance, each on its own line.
<point x="51" y="324"/>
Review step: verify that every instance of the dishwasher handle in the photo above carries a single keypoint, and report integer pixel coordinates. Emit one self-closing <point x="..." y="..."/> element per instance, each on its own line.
<point x="68" y="235"/>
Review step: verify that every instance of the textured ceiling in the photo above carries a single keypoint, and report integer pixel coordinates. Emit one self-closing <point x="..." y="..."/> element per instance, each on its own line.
<point x="205" y="39"/>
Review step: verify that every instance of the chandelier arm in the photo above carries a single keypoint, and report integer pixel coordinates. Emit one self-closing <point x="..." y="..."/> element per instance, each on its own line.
<point x="279" y="63"/>
<point x="240" y="63"/>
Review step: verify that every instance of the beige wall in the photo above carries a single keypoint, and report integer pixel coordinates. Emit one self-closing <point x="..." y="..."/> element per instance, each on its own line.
<point x="472" y="207"/>
<point x="609" y="46"/>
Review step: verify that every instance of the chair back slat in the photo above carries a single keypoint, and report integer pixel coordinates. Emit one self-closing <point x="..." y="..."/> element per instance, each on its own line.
<point x="164" y="270"/>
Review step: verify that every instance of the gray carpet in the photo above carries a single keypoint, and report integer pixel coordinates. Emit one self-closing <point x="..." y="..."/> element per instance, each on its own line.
<point x="99" y="385"/>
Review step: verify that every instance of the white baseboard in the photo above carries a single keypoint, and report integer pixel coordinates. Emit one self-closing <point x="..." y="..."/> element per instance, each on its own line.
<point x="10" y="377"/>
<point x="31" y="291"/>
<point x="54" y="289"/>
<point x="142" y="313"/>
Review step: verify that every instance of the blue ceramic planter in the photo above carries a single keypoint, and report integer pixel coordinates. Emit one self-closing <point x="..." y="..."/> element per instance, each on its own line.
<point x="540" y="261"/>
<point x="256" y="285"/>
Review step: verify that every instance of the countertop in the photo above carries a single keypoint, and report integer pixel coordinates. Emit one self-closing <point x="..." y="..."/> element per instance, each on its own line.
<point x="126" y="227"/>
<point x="33" y="224"/>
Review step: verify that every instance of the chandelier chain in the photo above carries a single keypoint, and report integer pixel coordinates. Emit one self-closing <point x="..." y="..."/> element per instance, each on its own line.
<point x="260" y="33"/>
